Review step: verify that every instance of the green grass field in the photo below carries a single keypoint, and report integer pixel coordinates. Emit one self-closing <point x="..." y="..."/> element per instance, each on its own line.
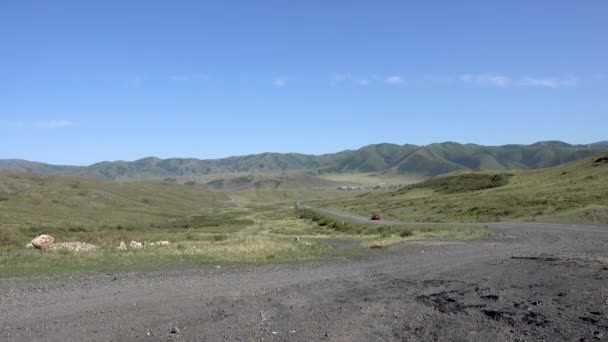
<point x="203" y="226"/>
<point x="575" y="192"/>
<point x="261" y="224"/>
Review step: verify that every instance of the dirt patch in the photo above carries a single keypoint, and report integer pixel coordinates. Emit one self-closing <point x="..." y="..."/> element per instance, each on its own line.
<point x="553" y="289"/>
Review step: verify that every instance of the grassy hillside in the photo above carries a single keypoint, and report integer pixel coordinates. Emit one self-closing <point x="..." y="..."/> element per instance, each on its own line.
<point x="427" y="160"/>
<point x="202" y="226"/>
<point x="287" y="181"/>
<point x="35" y="202"/>
<point x="573" y="192"/>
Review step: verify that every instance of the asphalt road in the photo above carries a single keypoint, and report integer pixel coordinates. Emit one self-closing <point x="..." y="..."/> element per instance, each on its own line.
<point x="532" y="282"/>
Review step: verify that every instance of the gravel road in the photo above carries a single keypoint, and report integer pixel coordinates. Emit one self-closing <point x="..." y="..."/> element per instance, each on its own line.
<point x="531" y="282"/>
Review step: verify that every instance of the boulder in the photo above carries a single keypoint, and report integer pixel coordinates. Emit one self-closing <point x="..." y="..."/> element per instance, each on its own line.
<point x="43" y="241"/>
<point x="136" y="245"/>
<point x="163" y="243"/>
<point x="76" y="246"/>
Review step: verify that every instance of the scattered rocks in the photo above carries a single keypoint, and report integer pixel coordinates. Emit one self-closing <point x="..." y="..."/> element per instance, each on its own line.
<point x="47" y="242"/>
<point x="43" y="241"/>
<point x="160" y="243"/>
<point x="491" y="297"/>
<point x="136" y="245"/>
<point x="139" y="245"/>
<point x="75" y="246"/>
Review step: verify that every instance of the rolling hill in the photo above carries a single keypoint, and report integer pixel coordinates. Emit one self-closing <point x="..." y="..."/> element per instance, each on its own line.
<point x="572" y="192"/>
<point x="429" y="160"/>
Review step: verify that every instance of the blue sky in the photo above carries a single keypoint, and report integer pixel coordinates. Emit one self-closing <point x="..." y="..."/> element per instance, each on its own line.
<point x="85" y="81"/>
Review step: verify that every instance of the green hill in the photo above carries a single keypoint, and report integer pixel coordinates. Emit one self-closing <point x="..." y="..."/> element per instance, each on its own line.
<point x="33" y="201"/>
<point x="427" y="160"/>
<point x="288" y="181"/>
<point x="572" y="192"/>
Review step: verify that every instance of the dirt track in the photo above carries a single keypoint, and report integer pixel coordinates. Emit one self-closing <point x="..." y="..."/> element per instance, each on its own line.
<point x="535" y="282"/>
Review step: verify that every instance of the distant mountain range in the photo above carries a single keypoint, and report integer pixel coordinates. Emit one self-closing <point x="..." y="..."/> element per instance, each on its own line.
<point x="426" y="160"/>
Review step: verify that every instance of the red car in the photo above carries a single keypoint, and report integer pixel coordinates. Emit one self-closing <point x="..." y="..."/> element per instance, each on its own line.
<point x="376" y="218"/>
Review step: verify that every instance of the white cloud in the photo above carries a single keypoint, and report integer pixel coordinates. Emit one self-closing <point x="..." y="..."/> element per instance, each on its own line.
<point x="550" y="82"/>
<point x="53" y="124"/>
<point x="496" y="80"/>
<point x="395" y="79"/>
<point x="279" y="83"/>
<point x="502" y="81"/>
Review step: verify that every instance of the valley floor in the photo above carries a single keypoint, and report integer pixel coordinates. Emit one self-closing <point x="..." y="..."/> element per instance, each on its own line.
<point x="531" y="282"/>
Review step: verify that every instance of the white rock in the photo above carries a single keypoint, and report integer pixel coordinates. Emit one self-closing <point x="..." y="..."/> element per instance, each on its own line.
<point x="160" y="243"/>
<point x="29" y="245"/>
<point x="43" y="241"/>
<point x="122" y="246"/>
<point x="136" y="245"/>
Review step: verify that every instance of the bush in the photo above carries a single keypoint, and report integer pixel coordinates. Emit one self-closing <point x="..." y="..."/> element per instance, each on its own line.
<point x="463" y="183"/>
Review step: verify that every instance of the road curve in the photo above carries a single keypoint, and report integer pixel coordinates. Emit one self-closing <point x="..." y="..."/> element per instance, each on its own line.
<point x="532" y="282"/>
<point x="561" y="226"/>
<point x="352" y="217"/>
